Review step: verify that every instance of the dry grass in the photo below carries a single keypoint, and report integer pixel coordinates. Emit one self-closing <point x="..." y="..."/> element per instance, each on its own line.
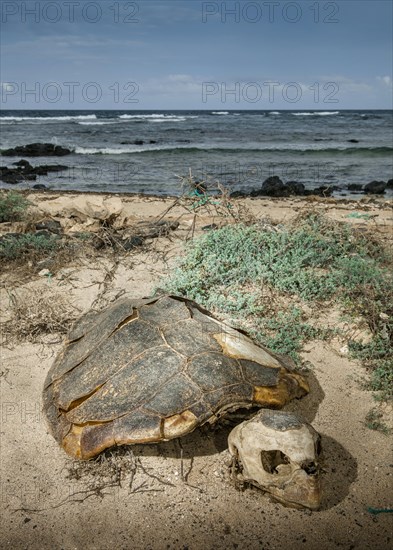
<point x="36" y="314"/>
<point x="208" y="198"/>
<point x="110" y="468"/>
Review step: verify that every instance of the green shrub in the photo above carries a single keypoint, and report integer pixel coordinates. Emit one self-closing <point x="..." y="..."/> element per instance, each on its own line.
<point x="374" y="422"/>
<point x="236" y="270"/>
<point x="377" y="356"/>
<point x="18" y="246"/>
<point x="12" y="206"/>
<point x="286" y="333"/>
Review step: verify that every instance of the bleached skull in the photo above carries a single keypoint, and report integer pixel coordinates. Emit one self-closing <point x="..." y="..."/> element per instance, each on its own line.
<point x="278" y="453"/>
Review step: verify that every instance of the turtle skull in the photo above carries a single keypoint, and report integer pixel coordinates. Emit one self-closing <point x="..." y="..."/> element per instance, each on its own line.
<point x="278" y="453"/>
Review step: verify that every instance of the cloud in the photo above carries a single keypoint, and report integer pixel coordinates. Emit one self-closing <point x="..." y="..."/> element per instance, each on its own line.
<point x="347" y="84"/>
<point x="173" y="84"/>
<point x="387" y="80"/>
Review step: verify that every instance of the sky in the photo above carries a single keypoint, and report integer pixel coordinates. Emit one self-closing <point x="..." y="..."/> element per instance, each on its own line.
<point x="186" y="54"/>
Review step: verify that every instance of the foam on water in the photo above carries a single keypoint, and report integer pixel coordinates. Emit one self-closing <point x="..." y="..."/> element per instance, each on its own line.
<point x="48" y="118"/>
<point x="318" y="113"/>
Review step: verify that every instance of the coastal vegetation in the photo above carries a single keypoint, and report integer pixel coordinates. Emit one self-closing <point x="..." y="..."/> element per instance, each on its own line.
<point x="13" y="206"/>
<point x="274" y="281"/>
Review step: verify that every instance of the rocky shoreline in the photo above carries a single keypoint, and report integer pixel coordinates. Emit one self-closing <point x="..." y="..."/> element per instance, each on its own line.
<point x="275" y="187"/>
<point x="272" y="187"/>
<point x="24" y="171"/>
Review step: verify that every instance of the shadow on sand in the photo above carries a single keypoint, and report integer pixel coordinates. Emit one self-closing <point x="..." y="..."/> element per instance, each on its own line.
<point x="339" y="467"/>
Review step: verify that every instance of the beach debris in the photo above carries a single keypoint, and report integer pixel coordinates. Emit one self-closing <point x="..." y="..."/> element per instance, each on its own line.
<point x="278" y="453"/>
<point x="376" y="511"/>
<point x="87" y="212"/>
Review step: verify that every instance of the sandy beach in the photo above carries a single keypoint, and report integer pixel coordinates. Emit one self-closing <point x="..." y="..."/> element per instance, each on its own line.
<point x="175" y="495"/>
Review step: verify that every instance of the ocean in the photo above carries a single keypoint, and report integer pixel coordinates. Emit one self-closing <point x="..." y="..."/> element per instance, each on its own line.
<point x="148" y="151"/>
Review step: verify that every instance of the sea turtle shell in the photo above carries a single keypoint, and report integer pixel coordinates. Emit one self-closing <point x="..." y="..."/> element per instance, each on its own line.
<point x="143" y="371"/>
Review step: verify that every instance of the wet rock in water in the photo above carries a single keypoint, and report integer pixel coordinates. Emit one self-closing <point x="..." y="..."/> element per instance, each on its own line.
<point x="322" y="191"/>
<point x="139" y="142"/>
<point x="237" y="194"/>
<point x="355" y="187"/>
<point x="296" y="188"/>
<point x="37" y="150"/>
<point x="12" y="175"/>
<point x="273" y="187"/>
<point x="353" y="140"/>
<point x="152" y="141"/>
<point x="375" y="188"/>
<point x="46" y="168"/>
<point x="389" y="184"/>
<point x="40" y="186"/>
<point x="24" y="164"/>
<point x="24" y="171"/>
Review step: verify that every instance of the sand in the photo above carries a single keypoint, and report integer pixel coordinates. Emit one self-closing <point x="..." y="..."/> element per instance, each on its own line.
<point x="180" y="494"/>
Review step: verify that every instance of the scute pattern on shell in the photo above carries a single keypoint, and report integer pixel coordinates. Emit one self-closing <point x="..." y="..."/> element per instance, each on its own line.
<point x="155" y="369"/>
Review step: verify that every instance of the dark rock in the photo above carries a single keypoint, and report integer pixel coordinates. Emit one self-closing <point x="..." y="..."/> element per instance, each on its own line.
<point x="389" y="184"/>
<point x="25" y="164"/>
<point x="237" y="194"/>
<point x="355" y="187"/>
<point x="353" y="140"/>
<point x="126" y="143"/>
<point x="325" y="190"/>
<point x="274" y="187"/>
<point x="210" y="227"/>
<point x="37" y="150"/>
<point x="26" y="172"/>
<point x="139" y="142"/>
<point x="132" y="242"/>
<point x="44" y="169"/>
<point x="53" y="226"/>
<point x="152" y="141"/>
<point x="11" y="176"/>
<point x="271" y="187"/>
<point x="322" y="191"/>
<point x="375" y="188"/>
<point x="296" y="188"/>
<point x="40" y="186"/>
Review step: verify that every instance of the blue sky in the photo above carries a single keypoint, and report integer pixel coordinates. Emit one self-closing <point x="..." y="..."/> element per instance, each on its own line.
<point x="186" y="54"/>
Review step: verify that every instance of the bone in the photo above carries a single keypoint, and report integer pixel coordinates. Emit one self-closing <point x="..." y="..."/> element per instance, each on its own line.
<point x="279" y="453"/>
